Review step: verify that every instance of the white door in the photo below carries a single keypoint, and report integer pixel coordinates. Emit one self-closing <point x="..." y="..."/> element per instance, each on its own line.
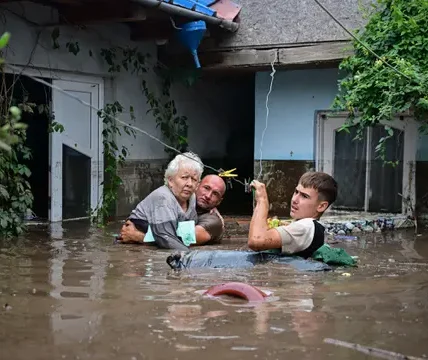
<point x="76" y="153"/>
<point x="356" y="168"/>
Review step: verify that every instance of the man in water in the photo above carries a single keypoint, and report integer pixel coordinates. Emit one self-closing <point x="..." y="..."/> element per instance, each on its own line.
<point x="314" y="193"/>
<point x="209" y="227"/>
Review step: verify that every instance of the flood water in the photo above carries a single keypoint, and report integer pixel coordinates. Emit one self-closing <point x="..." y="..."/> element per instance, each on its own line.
<point x="70" y="293"/>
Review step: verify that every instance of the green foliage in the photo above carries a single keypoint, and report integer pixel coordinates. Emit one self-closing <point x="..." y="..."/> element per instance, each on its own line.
<point x="173" y="127"/>
<point x="114" y="158"/>
<point x="127" y="59"/>
<point x="397" y="31"/>
<point x="7" y="128"/>
<point x="15" y="191"/>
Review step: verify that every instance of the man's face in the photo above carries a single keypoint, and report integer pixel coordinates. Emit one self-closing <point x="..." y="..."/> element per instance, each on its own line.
<point x="305" y="203"/>
<point x="183" y="184"/>
<point x="210" y="192"/>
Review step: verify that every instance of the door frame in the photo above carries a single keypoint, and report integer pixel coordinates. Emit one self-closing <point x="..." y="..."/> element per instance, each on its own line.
<point x="324" y="150"/>
<point x="53" y="74"/>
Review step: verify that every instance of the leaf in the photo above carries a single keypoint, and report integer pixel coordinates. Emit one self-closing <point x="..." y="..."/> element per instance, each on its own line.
<point x="4" y="146"/>
<point x="27" y="172"/>
<point x="3" y="192"/>
<point x="4" y="40"/>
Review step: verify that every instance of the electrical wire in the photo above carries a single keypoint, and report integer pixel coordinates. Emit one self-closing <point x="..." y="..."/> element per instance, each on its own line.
<point x="52" y="86"/>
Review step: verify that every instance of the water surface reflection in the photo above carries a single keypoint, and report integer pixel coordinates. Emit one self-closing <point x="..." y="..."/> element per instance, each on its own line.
<point x="69" y="293"/>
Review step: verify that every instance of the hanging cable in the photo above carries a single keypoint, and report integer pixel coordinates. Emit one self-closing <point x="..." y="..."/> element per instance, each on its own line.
<point x="52" y="86"/>
<point x="272" y="75"/>
<point x="359" y="41"/>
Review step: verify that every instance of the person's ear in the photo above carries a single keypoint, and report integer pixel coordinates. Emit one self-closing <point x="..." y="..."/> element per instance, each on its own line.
<point x="322" y="206"/>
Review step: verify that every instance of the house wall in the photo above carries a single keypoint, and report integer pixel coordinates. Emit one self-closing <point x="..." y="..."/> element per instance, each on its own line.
<point x="208" y="105"/>
<point x="32" y="47"/>
<point x="216" y="108"/>
<point x="289" y="141"/>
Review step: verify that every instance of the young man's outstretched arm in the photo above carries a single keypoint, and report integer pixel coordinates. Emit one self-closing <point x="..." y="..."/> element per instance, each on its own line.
<point x="260" y="236"/>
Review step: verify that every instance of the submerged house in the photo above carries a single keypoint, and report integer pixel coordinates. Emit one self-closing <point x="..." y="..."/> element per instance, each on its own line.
<point x="294" y="48"/>
<point x="262" y="96"/>
<point x="91" y="50"/>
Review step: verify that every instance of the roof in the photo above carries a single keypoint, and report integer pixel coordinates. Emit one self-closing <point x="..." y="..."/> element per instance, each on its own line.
<point x="280" y="23"/>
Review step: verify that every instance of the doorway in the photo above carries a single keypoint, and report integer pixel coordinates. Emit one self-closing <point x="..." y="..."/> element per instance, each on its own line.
<point x="36" y="115"/>
<point x="76" y="152"/>
<point x="66" y="167"/>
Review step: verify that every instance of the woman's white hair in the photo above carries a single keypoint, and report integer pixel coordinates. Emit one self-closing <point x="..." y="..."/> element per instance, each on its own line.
<point x="186" y="160"/>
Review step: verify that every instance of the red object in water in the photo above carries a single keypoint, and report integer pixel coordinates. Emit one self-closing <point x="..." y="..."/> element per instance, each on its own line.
<point x="237" y="289"/>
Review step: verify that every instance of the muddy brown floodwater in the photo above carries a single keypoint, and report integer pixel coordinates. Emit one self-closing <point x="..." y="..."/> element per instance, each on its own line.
<point x="69" y="293"/>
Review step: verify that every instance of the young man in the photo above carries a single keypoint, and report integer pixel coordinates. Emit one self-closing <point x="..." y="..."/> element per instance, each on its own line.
<point x="209" y="227"/>
<point x="314" y="193"/>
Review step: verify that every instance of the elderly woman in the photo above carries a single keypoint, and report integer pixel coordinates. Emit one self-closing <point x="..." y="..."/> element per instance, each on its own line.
<point x="168" y="205"/>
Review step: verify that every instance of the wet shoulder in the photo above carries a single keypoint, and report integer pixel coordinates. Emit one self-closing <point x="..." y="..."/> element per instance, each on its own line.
<point x="162" y="193"/>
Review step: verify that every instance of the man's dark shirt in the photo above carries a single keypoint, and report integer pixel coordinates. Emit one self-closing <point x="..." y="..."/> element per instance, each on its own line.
<point x="211" y="223"/>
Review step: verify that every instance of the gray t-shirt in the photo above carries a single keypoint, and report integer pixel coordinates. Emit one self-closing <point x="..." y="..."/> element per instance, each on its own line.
<point x="163" y="213"/>
<point x="212" y="224"/>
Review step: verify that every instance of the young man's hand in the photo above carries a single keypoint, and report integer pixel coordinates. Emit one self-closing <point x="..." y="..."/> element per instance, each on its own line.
<point x="260" y="190"/>
<point x="129" y="234"/>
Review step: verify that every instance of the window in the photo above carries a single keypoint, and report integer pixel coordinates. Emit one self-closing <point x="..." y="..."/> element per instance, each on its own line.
<point x="365" y="183"/>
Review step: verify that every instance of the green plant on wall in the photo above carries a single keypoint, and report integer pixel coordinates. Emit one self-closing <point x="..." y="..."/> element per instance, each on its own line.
<point x="10" y="121"/>
<point x="16" y="198"/>
<point x="396" y="30"/>
<point x="173" y="127"/>
<point x="114" y="158"/>
<point x="161" y="105"/>
<point x="15" y="192"/>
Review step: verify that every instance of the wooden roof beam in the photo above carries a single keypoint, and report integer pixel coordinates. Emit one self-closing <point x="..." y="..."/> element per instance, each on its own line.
<point x="105" y="13"/>
<point x="315" y="54"/>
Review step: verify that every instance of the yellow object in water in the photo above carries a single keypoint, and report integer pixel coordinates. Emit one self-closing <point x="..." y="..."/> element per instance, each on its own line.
<point x="275" y="222"/>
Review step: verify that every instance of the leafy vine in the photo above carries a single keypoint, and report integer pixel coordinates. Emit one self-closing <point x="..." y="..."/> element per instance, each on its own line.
<point x="114" y="158"/>
<point x="173" y="127"/>
<point x="374" y="92"/>
<point x="15" y="192"/>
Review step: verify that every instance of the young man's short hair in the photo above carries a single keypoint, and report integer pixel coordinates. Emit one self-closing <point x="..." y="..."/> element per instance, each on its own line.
<point x="323" y="183"/>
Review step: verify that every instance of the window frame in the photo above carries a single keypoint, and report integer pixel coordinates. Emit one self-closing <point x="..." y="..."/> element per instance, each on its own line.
<point x="328" y="122"/>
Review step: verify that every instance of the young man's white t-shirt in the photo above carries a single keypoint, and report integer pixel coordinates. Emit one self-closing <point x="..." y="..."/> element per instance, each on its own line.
<point x="299" y="235"/>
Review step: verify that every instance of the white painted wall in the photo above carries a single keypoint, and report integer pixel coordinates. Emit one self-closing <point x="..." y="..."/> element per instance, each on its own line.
<point x="25" y="50"/>
<point x="213" y="106"/>
<point x="208" y="104"/>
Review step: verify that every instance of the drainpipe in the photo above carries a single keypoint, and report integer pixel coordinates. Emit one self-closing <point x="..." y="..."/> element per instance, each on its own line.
<point x="176" y="10"/>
